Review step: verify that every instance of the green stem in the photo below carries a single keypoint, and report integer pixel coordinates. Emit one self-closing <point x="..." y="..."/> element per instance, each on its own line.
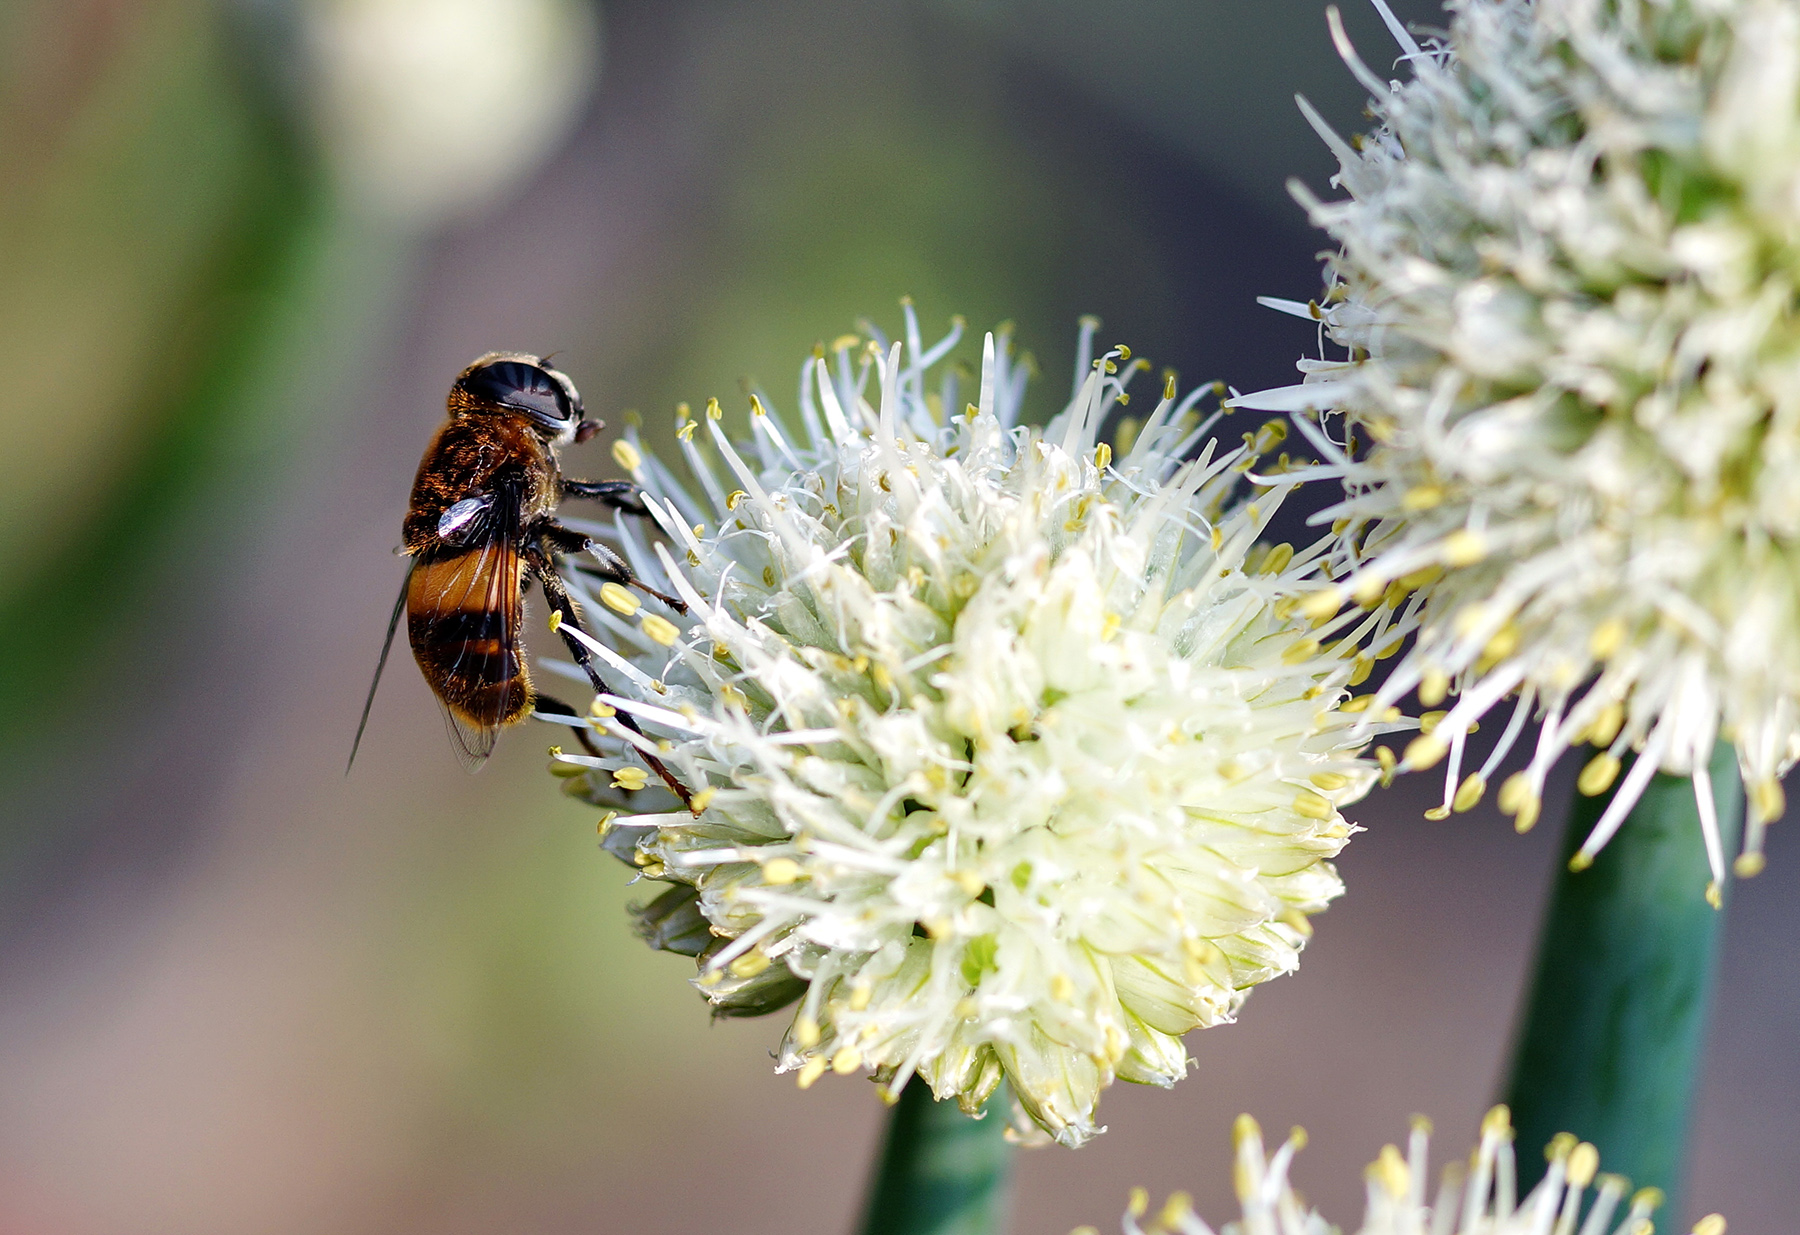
<point x="1611" y="1043"/>
<point x="941" y="1172"/>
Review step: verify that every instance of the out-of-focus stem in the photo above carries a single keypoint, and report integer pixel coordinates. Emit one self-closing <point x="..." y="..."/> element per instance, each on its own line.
<point x="941" y="1172"/>
<point x="1610" y="1046"/>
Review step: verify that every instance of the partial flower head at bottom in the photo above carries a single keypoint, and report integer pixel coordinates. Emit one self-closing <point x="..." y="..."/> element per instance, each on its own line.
<point x="1014" y="757"/>
<point x="1480" y="1198"/>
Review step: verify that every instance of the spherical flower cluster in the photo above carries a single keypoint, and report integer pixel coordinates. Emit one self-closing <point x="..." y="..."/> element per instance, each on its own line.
<point x="1483" y="1200"/>
<point x="1569" y="287"/>
<point x="1012" y="756"/>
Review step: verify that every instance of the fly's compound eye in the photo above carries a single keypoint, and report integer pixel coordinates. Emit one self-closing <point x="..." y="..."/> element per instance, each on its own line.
<point x="541" y="393"/>
<point x="461" y="521"/>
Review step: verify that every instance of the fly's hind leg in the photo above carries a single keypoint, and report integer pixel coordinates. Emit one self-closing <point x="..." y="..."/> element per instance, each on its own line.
<point x="543" y="569"/>
<point x="607" y="566"/>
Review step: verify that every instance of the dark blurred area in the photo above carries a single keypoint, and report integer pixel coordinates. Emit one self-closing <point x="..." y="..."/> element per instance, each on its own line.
<point x="246" y="247"/>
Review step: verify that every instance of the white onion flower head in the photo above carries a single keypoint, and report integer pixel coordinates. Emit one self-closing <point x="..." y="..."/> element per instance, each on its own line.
<point x="1013" y="758"/>
<point x="1479" y="1198"/>
<point x="1569" y="269"/>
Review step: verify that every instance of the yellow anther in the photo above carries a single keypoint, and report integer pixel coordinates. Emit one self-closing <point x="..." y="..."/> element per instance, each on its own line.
<point x="756" y="407"/>
<point x="1606" y="726"/>
<point x="714" y="411"/>
<point x="630" y="778"/>
<point x="1312" y="805"/>
<point x="1469" y="793"/>
<point x="860" y="994"/>
<point x="811" y="1071"/>
<point x="686" y="431"/>
<point x="806" y="1031"/>
<point x="555" y="620"/>
<point x="1712" y="1224"/>
<point x="1584" y="1162"/>
<point x="1497" y="1122"/>
<point x="780" y="870"/>
<point x="1504" y="643"/>
<point x="567" y="770"/>
<point x="1514" y="790"/>
<point x="1175" y="1210"/>
<point x="1437" y="813"/>
<point x="1322" y="604"/>
<point x="1608" y="638"/>
<point x="1424" y="751"/>
<point x="1299" y="650"/>
<point x="1463" y="548"/>
<point x="1391" y="1172"/>
<point x="1356" y="703"/>
<point x="969" y="882"/>
<point x="1218" y="539"/>
<point x="1061" y="988"/>
<point x="1297" y="1138"/>
<point x="1421" y="497"/>
<point x="1367" y="591"/>
<point x="1168" y="383"/>
<point x="1242" y="1129"/>
<point x="605" y="824"/>
<point x="1714" y="896"/>
<point x="702" y="800"/>
<point x="1597" y="777"/>
<point x="618" y="599"/>
<point x="1278" y="559"/>
<point x="659" y="629"/>
<point x="1767" y="802"/>
<point x="1361" y="668"/>
<point x="1102" y="456"/>
<point x="847" y="1060"/>
<point x="1329" y="781"/>
<point x="1429" y="721"/>
<point x="1297" y="922"/>
<point x="626" y="455"/>
<point x="1420" y="1124"/>
<point x="749" y="964"/>
<point x="1561" y="1146"/>
<point x="733" y="498"/>
<point x="1580" y="862"/>
<point x="1384" y="757"/>
<point x="1748" y="865"/>
<point x="1648" y="1198"/>
<point x="1136" y="1202"/>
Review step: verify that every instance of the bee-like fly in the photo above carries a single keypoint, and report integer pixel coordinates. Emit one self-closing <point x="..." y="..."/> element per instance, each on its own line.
<point x="481" y="523"/>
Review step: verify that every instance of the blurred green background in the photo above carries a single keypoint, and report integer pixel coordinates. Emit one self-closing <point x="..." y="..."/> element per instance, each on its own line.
<point x="244" y="247"/>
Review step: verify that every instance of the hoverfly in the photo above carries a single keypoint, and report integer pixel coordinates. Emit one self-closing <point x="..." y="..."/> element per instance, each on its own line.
<point x="481" y="523"/>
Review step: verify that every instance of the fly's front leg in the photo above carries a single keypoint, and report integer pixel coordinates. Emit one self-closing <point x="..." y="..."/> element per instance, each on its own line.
<point x="619" y="494"/>
<point x="609" y="566"/>
<point x="543" y="569"/>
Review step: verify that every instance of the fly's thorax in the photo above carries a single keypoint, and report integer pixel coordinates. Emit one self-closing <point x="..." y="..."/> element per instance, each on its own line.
<point x="477" y="456"/>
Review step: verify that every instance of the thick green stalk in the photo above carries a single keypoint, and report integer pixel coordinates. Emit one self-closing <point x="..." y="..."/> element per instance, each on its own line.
<point x="1610" y="1047"/>
<point x="941" y="1173"/>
